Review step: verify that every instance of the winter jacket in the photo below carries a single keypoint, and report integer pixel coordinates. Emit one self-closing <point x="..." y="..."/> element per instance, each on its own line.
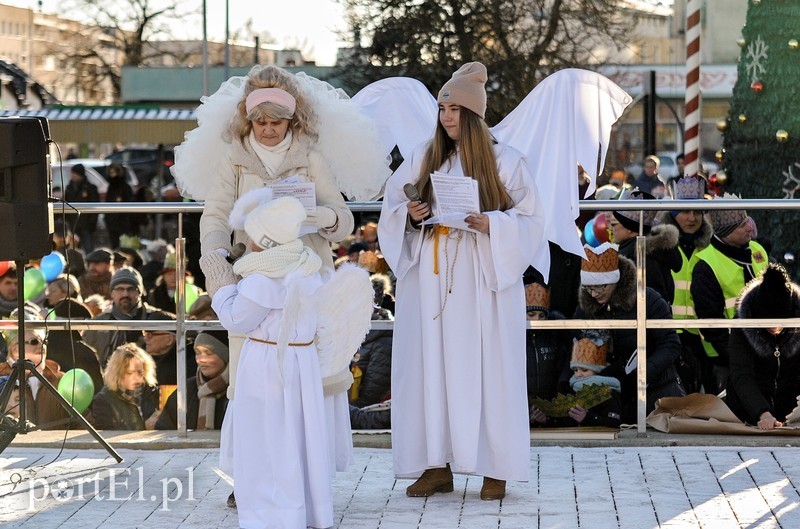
<point x="243" y="171"/>
<point x="663" y="345"/>
<point x="168" y="420"/>
<point x="83" y="191"/>
<point x="70" y="351"/>
<point x="117" y="410"/>
<point x="547" y="351"/>
<point x="764" y="369"/>
<point x="376" y="366"/>
<point x="662" y="258"/>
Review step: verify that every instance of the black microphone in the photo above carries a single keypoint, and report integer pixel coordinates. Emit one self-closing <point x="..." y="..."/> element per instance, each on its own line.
<point x="412" y="194"/>
<point x="236" y="252"/>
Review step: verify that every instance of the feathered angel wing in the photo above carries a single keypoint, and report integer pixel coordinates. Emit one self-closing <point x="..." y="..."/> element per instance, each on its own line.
<point x="200" y="151"/>
<point x="344" y="309"/>
<point x="565" y="120"/>
<point x="347" y="140"/>
<point x="404" y="113"/>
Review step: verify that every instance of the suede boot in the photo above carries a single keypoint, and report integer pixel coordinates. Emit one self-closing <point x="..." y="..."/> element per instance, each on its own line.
<point x="493" y="489"/>
<point x="432" y="481"/>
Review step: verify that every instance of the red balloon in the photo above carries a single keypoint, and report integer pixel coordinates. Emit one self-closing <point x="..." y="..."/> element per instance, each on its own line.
<point x="4" y="266"/>
<point x="601" y="228"/>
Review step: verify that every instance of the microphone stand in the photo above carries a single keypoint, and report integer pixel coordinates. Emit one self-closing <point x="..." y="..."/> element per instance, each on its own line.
<point x="9" y="429"/>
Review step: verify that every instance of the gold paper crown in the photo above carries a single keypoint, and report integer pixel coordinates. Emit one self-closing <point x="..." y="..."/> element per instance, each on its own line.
<point x="537" y="295"/>
<point x="587" y="353"/>
<point x="602" y="259"/>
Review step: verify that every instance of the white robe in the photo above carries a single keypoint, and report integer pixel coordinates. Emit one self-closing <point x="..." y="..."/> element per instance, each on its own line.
<point x="458" y="382"/>
<point x="283" y="468"/>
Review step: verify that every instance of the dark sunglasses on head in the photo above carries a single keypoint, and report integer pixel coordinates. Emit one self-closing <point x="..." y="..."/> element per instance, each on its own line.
<point x="33" y="341"/>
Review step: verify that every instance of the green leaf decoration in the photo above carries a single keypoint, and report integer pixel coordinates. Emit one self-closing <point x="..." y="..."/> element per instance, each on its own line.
<point x="587" y="397"/>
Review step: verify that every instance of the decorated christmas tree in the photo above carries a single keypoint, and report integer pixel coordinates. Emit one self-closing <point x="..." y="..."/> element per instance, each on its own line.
<point x="761" y="156"/>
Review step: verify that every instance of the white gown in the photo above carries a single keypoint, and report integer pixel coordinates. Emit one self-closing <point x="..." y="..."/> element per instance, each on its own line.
<point x="458" y="382"/>
<point x="283" y="467"/>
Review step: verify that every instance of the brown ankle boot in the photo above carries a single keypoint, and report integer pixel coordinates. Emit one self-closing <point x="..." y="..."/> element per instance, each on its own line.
<point x="432" y="481"/>
<point x="493" y="489"/>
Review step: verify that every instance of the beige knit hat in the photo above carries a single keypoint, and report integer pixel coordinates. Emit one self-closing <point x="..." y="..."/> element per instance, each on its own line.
<point x="725" y="221"/>
<point x="601" y="266"/>
<point x="466" y="88"/>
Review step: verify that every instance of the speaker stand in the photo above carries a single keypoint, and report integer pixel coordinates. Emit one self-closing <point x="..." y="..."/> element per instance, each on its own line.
<point x="8" y="429"/>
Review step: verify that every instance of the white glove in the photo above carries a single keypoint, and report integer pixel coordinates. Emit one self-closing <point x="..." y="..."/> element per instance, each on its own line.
<point x="218" y="272"/>
<point x="795" y="415"/>
<point x="324" y="217"/>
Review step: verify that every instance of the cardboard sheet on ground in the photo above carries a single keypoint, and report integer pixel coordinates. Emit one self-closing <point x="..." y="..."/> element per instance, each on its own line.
<point x="700" y="413"/>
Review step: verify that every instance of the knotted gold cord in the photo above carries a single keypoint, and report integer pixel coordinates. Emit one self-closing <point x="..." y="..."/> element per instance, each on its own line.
<point x="449" y="267"/>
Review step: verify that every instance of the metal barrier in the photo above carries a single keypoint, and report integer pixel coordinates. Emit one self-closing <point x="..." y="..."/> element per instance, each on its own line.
<point x="641" y="324"/>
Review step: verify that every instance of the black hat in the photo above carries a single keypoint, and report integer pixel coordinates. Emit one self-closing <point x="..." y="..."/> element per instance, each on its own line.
<point x="79" y="169"/>
<point x="773" y="297"/>
<point x="101" y="255"/>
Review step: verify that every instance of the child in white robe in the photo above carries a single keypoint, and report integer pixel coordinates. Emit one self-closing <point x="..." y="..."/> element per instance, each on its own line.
<point x="281" y="466"/>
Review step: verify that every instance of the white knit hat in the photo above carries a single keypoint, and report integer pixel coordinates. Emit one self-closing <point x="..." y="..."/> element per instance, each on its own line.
<point x="268" y="222"/>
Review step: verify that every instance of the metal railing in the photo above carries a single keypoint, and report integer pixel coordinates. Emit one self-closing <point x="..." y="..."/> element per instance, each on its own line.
<point x="641" y="323"/>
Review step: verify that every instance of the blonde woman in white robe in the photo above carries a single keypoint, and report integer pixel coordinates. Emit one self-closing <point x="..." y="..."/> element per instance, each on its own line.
<point x="458" y="372"/>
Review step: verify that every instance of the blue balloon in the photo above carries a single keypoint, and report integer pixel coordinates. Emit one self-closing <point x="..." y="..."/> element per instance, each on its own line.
<point x="52" y="265"/>
<point x="589" y="236"/>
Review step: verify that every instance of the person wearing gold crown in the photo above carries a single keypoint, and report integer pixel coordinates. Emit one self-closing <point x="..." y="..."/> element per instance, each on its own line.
<point x="589" y="359"/>
<point x="608" y="291"/>
<point x="458" y="373"/>
<point x="723" y="268"/>
<point x="694" y="234"/>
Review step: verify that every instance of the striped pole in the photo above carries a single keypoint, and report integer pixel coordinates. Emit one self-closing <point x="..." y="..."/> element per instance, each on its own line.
<point x="691" y="147"/>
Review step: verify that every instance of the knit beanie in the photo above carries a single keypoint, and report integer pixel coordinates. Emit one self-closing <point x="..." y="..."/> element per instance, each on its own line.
<point x="773" y="297"/>
<point x="127" y="276"/>
<point x="601" y="266"/>
<point x="466" y="88"/>
<point x="590" y="351"/>
<point x="724" y="221"/>
<point x="268" y="222"/>
<point x="630" y="219"/>
<point x="215" y="341"/>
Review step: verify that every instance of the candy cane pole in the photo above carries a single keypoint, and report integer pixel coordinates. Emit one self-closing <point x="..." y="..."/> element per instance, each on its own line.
<point x="692" y="125"/>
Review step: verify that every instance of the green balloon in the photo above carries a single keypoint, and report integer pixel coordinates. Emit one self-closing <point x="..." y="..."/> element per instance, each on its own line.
<point x="77" y="387"/>
<point x="192" y="293"/>
<point x="34" y="282"/>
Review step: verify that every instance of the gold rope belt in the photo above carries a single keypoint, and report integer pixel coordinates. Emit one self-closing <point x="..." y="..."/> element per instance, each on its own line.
<point x="270" y="342"/>
<point x="438" y="229"/>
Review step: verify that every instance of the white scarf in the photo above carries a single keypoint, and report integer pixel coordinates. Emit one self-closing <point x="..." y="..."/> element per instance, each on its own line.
<point x="279" y="261"/>
<point x="271" y="157"/>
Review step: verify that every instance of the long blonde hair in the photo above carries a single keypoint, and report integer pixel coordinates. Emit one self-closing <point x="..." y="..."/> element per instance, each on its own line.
<point x="477" y="159"/>
<point x="302" y="122"/>
<point x="121" y="359"/>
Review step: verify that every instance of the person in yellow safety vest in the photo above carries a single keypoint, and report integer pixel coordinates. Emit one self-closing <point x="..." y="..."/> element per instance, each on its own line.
<point x="694" y="234"/>
<point x="724" y="267"/>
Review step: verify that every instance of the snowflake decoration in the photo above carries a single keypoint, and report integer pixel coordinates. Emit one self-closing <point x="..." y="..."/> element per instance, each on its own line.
<point x="792" y="181"/>
<point x="756" y="59"/>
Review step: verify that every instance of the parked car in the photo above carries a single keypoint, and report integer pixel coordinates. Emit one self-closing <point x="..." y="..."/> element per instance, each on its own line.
<point x="145" y="162"/>
<point x="95" y="173"/>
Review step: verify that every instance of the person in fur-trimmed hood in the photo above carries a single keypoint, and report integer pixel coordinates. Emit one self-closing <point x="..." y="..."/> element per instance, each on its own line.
<point x="608" y="291"/>
<point x="765" y="363"/>
<point x="663" y="257"/>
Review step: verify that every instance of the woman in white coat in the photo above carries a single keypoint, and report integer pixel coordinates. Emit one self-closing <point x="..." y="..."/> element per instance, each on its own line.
<point x="458" y="375"/>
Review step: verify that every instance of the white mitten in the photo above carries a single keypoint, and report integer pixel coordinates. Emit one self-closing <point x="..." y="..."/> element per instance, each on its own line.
<point x="324" y="217"/>
<point x="794" y="417"/>
<point x="218" y="272"/>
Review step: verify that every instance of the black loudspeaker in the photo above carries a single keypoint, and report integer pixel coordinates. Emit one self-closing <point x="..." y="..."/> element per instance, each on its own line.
<point x="26" y="217"/>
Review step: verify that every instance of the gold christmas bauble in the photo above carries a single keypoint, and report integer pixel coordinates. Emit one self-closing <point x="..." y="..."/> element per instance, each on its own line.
<point x="793" y="44"/>
<point x="782" y="136"/>
<point x="742" y="118"/>
<point x="740" y="41"/>
<point x="756" y="2"/>
<point x="719" y="155"/>
<point x="722" y="125"/>
<point x="722" y="178"/>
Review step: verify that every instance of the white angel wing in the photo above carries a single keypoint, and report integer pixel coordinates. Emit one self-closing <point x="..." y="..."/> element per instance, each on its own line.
<point x="347" y="140"/>
<point x="344" y="309"/>
<point x="565" y="120"/>
<point x="403" y="110"/>
<point x="202" y="146"/>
